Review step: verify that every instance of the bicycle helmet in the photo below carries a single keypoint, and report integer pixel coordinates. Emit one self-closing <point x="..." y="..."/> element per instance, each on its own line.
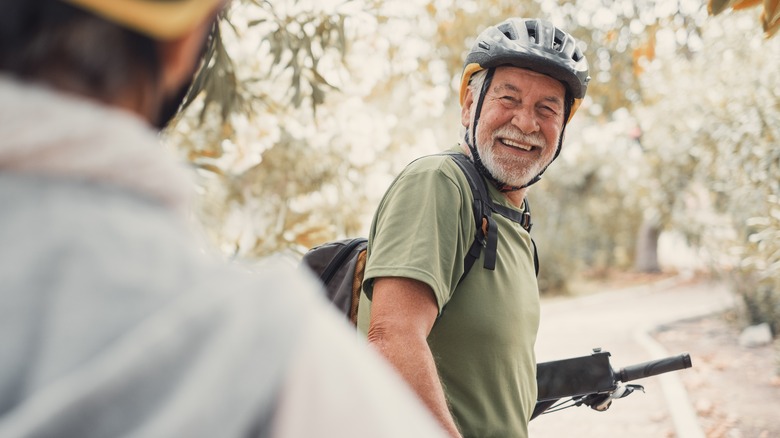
<point x="158" y="19"/>
<point x="532" y="44"/>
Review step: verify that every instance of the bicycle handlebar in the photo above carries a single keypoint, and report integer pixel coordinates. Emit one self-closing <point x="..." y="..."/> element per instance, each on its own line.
<point x="592" y="381"/>
<point x="654" y="367"/>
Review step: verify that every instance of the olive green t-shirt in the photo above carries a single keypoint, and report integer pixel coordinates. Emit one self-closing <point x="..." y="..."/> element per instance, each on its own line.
<point x="483" y="340"/>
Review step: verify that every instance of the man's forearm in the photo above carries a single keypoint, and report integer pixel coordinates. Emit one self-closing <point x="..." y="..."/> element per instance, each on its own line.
<point x="414" y="361"/>
<point x="402" y="315"/>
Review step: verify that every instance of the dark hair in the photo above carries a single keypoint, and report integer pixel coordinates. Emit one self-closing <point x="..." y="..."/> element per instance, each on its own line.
<point x="56" y="43"/>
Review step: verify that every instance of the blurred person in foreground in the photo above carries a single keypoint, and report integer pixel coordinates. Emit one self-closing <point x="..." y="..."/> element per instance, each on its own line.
<point x="112" y="323"/>
<point x="466" y="343"/>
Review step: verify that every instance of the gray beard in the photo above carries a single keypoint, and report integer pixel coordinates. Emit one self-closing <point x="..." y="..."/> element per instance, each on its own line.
<point x="510" y="170"/>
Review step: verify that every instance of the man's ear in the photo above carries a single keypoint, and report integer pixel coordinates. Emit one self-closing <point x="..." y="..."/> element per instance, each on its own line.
<point x="178" y="57"/>
<point x="465" y="109"/>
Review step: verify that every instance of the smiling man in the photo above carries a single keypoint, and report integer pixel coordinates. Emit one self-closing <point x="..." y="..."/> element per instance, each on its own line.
<point x="466" y="342"/>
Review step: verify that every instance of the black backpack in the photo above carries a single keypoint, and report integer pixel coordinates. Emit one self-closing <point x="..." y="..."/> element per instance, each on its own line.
<point x="340" y="264"/>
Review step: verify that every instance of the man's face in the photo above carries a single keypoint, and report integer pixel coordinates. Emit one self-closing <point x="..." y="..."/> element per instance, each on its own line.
<point x="520" y="124"/>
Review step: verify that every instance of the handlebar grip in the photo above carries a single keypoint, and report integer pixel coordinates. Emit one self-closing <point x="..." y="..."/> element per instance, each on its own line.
<point x="654" y="367"/>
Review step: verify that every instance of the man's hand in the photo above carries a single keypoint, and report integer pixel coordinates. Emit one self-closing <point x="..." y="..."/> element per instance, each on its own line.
<point x="402" y="314"/>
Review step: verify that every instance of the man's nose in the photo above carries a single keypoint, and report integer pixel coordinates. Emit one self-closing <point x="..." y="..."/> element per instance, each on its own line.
<point x="525" y="120"/>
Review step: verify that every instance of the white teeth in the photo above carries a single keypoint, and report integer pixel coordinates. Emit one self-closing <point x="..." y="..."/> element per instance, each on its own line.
<point x="513" y="144"/>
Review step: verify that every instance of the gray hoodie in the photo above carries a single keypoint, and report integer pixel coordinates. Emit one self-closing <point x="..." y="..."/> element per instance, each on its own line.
<point x="113" y="323"/>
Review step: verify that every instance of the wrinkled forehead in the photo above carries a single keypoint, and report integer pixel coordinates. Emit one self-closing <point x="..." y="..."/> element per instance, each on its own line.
<point x="522" y="79"/>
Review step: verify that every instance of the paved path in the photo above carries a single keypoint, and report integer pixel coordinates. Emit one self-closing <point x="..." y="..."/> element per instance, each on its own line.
<point x="618" y="322"/>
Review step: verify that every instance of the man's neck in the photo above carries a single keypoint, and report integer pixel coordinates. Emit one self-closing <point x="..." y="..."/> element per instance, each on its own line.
<point x="516" y="197"/>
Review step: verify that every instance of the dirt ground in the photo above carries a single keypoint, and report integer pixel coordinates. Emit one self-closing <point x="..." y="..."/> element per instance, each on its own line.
<point x="735" y="390"/>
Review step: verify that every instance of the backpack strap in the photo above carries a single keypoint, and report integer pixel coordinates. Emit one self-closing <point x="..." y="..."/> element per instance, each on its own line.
<point x="521" y="217"/>
<point x="482" y="208"/>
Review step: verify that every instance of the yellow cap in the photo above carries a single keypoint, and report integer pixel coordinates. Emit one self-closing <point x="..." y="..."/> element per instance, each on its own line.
<point x="468" y="72"/>
<point x="159" y="19"/>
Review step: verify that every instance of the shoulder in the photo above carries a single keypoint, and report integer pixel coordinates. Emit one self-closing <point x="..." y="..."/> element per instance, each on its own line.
<point x="433" y="170"/>
<point x="432" y="182"/>
<point x="121" y="259"/>
<point x="443" y="163"/>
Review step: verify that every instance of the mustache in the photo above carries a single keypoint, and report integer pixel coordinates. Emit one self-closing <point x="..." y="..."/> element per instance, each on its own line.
<point x="514" y="134"/>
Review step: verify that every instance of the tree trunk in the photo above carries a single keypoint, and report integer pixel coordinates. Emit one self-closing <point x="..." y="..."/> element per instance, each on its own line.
<point x="646" y="258"/>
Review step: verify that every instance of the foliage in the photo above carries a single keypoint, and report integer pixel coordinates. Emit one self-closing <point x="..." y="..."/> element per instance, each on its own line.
<point x="250" y="127"/>
<point x="585" y="214"/>
<point x="711" y="127"/>
<point x="297" y="39"/>
<point x="770" y="15"/>
<point x="757" y="278"/>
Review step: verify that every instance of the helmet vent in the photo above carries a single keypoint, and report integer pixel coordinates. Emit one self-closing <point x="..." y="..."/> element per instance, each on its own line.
<point x="530" y="27"/>
<point x="508" y="30"/>
<point x="559" y="40"/>
<point x="532" y="35"/>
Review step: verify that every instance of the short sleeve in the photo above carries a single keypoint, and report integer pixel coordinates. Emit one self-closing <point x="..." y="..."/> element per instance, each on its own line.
<point x="422" y="228"/>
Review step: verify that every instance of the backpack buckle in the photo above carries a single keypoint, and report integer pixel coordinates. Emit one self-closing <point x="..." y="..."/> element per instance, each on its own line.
<point x="526" y="222"/>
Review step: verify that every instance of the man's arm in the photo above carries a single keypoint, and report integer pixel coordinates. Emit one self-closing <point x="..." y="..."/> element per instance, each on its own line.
<point x="402" y="314"/>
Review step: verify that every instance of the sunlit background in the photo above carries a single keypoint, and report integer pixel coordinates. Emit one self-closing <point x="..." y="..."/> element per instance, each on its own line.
<point x="306" y="110"/>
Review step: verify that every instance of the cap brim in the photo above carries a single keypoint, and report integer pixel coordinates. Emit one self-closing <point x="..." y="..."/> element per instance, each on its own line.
<point x="163" y="20"/>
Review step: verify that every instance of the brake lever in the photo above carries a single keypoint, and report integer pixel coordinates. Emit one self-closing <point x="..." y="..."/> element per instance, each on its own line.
<point x="628" y="389"/>
<point x="602" y="402"/>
